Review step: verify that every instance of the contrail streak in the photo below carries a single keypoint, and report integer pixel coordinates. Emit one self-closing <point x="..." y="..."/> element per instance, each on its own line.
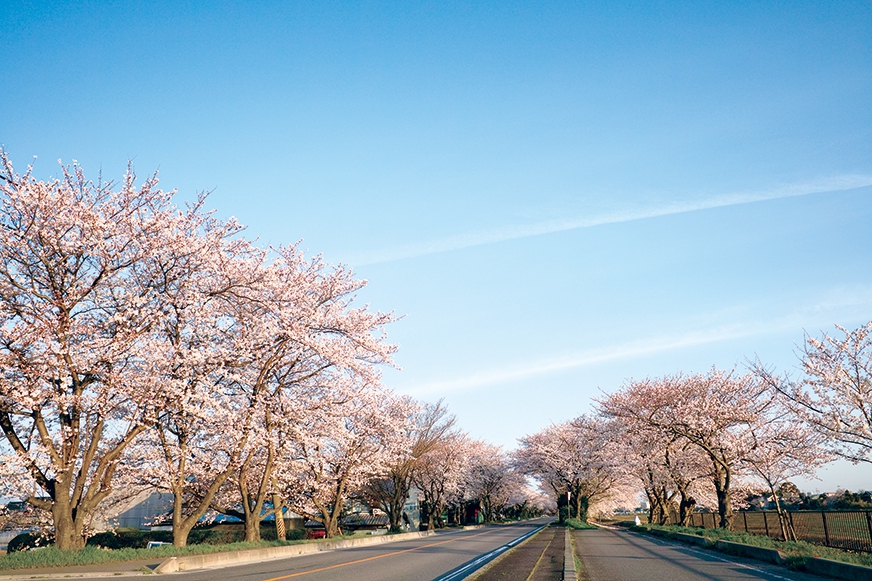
<point x="512" y="232"/>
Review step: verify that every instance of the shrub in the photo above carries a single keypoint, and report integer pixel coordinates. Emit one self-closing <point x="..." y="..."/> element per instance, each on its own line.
<point x="27" y="541"/>
<point x="129" y="539"/>
<point x="577" y="524"/>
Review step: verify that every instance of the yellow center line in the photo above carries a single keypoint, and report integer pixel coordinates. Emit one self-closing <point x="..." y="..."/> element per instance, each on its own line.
<point x="539" y="560"/>
<point x="300" y="573"/>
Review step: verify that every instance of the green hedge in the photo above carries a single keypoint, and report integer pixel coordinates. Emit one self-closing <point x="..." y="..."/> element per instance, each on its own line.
<point x="136" y="539"/>
<point x="577" y="524"/>
<point x="90" y="555"/>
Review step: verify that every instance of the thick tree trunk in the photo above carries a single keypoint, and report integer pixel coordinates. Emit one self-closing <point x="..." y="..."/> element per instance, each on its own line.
<point x="581" y="506"/>
<point x="398" y="499"/>
<point x="653" y="505"/>
<point x="68" y="533"/>
<point x="433" y="520"/>
<point x="74" y="493"/>
<point x="252" y="530"/>
<point x="685" y="509"/>
<point x="658" y="512"/>
<point x="252" y="504"/>
<point x="181" y="526"/>
<point x="722" y="489"/>
<point x="331" y="525"/>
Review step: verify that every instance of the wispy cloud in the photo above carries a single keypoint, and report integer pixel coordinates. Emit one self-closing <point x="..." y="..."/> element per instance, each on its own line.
<point x="542" y="366"/>
<point x="515" y="231"/>
<point x="839" y="304"/>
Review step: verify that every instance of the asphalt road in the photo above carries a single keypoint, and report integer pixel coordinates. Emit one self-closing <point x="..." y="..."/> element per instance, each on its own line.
<point x="423" y="559"/>
<point x="619" y="555"/>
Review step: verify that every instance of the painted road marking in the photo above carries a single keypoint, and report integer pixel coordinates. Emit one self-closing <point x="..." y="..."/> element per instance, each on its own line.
<point x="483" y="560"/>
<point x="337" y="566"/>
<point x="713" y="556"/>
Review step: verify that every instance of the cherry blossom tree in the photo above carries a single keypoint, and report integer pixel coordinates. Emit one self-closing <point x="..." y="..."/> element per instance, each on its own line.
<point x="253" y="355"/>
<point x="667" y="468"/>
<point x="308" y="345"/>
<point x="835" y="395"/>
<point x="199" y="341"/>
<point x="491" y="480"/>
<point x="430" y="427"/>
<point x="80" y="294"/>
<point x="714" y="412"/>
<point x="577" y="460"/>
<point x="335" y="451"/>
<point x="438" y="475"/>
<point x="783" y="449"/>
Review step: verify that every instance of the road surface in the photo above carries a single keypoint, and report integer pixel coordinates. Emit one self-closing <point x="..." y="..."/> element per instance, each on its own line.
<point x="444" y="556"/>
<point x="619" y="555"/>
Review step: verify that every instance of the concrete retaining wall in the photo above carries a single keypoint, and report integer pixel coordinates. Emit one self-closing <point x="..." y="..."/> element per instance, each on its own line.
<point x="693" y="539"/>
<point x="838" y="570"/>
<point x="759" y="553"/>
<point x="192" y="562"/>
<point x="815" y="565"/>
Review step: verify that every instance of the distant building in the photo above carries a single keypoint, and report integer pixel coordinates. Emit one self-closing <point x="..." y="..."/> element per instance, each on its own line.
<point x="138" y="511"/>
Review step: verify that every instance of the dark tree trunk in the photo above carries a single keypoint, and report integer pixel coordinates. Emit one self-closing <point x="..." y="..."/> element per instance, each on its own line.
<point x="685" y="509"/>
<point x="722" y="489"/>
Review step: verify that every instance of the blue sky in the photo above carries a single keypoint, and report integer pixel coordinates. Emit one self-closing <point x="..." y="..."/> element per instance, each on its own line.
<point x="557" y="196"/>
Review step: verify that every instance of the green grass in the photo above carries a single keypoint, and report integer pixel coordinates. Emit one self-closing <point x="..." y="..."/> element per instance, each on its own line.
<point x="91" y="555"/>
<point x="796" y="552"/>
<point x="627" y="517"/>
<point x="579" y="564"/>
<point x="577" y="524"/>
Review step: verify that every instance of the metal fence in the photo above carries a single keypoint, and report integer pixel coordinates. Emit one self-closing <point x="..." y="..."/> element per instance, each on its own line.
<point x="842" y="529"/>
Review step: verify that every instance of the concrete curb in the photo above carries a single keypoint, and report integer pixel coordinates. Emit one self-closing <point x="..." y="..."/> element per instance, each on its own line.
<point x="729" y="547"/>
<point x="759" y="553"/>
<point x="816" y="565"/>
<point x="838" y="569"/>
<point x="569" y="572"/>
<point x="693" y="540"/>
<point x="193" y="562"/>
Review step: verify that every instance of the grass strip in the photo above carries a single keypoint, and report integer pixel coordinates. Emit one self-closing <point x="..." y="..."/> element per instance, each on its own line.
<point x="576" y="524"/>
<point x="90" y="555"/>
<point x="796" y="552"/>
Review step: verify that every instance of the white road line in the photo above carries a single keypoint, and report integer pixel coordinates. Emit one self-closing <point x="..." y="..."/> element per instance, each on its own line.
<point x="473" y="565"/>
<point x="710" y="554"/>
